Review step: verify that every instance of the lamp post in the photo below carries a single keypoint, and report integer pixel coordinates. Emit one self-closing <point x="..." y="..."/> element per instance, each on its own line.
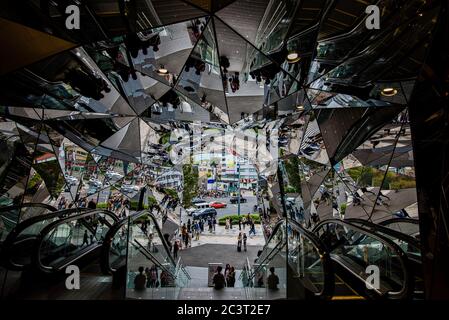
<point x="238" y="182"/>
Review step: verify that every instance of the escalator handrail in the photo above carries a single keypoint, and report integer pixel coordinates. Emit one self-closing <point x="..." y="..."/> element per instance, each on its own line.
<point x="11" y="238"/>
<point x="387" y="222"/>
<point x="390" y="232"/>
<point x="36" y="259"/>
<point x="329" y="277"/>
<point x="408" y="286"/>
<point x="151" y="257"/>
<point x="105" y="265"/>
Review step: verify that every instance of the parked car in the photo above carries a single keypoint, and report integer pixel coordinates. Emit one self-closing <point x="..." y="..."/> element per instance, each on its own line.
<point x="204" y="213"/>
<point x="113" y="176"/>
<point x="92" y="189"/>
<point x="190" y="210"/>
<point x="217" y="205"/>
<point x="95" y="182"/>
<point x="71" y="180"/>
<point x="128" y="188"/>
<point x="236" y="200"/>
<point x="197" y="200"/>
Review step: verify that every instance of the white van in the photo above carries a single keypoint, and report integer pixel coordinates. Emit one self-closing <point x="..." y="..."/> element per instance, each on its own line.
<point x="196" y="207"/>
<point x="201" y="205"/>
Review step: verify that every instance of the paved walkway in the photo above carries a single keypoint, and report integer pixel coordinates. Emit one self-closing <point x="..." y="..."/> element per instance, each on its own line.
<point x="223" y="236"/>
<point x="201" y="256"/>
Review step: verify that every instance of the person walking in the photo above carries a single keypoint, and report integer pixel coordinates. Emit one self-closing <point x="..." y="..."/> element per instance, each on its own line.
<point x="175" y="249"/>
<point x="214" y="223"/>
<point x="244" y="222"/>
<point x="252" y="229"/>
<point x="186" y="240"/>
<point x="209" y="223"/>
<point x="184" y="232"/>
<point x="245" y="238"/>
<point x="240" y="224"/>
<point x="189" y="226"/>
<point x="239" y="242"/>
<point x="85" y="238"/>
<point x="189" y="236"/>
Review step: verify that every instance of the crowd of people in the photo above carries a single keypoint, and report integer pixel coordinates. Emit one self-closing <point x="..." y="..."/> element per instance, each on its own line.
<point x="151" y="278"/>
<point x="227" y="279"/>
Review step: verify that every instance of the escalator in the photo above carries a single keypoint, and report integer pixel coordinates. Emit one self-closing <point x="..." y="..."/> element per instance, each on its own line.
<point x="404" y="225"/>
<point x="73" y="239"/>
<point x="409" y="244"/>
<point x="10" y="216"/>
<point x="18" y="245"/>
<point x="137" y="241"/>
<point x="354" y="248"/>
<point x="298" y="258"/>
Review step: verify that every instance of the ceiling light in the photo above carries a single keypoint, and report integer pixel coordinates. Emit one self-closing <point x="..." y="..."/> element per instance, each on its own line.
<point x="389" y="92"/>
<point x="300" y="107"/>
<point x="293" y="57"/>
<point x="162" y="71"/>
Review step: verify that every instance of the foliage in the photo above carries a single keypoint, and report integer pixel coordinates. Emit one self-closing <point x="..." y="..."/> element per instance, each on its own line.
<point x="152" y="201"/>
<point x="134" y="205"/>
<point x="190" y="189"/>
<point x="50" y="173"/>
<point x="292" y="168"/>
<point x="235" y="218"/>
<point x="343" y="208"/>
<point x="290" y="189"/>
<point x="171" y="193"/>
<point x="102" y="205"/>
<point x="370" y="177"/>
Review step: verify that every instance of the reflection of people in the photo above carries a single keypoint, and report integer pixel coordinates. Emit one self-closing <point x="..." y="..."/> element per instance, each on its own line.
<point x="85" y="239"/>
<point x="272" y="280"/>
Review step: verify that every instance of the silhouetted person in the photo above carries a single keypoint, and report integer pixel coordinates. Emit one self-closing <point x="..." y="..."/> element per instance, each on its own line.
<point x="85" y="239"/>
<point x="272" y="280"/>
<point x="140" y="280"/>
<point x="219" y="279"/>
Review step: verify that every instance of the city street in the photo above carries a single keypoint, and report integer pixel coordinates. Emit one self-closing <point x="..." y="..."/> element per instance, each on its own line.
<point x="245" y="208"/>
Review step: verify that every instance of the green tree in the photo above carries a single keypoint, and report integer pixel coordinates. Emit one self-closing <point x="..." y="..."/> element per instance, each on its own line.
<point x="190" y="189"/>
<point x="292" y="169"/>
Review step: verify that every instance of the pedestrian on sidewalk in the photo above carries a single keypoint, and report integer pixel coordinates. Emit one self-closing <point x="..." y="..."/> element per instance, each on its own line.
<point x="189" y="235"/>
<point x="186" y="240"/>
<point x="245" y="238"/>
<point x="214" y="223"/>
<point x="209" y="222"/>
<point x="240" y="224"/>
<point x="175" y="249"/>
<point x="239" y="242"/>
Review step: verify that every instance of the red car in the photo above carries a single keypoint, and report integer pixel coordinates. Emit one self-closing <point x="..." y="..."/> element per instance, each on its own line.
<point x="217" y="205"/>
